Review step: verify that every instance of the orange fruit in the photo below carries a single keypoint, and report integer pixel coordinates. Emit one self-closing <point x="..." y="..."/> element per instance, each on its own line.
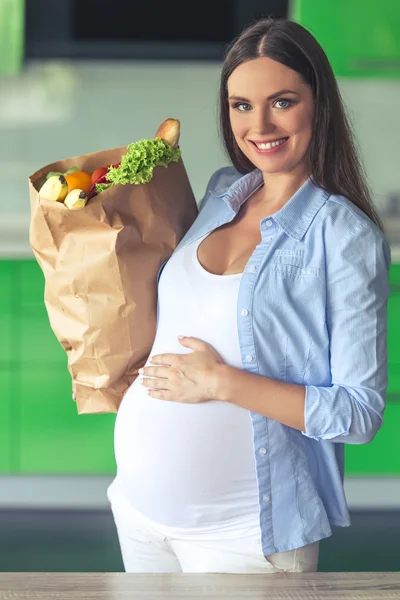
<point x="79" y="180"/>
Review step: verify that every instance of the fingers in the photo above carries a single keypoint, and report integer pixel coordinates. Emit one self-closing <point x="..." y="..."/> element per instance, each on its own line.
<point x="163" y="359"/>
<point x="160" y="394"/>
<point x="154" y="372"/>
<point x="155" y="384"/>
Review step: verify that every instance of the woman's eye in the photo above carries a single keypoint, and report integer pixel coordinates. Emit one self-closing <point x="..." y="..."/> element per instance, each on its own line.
<point x="283" y="103"/>
<point x="242" y="106"/>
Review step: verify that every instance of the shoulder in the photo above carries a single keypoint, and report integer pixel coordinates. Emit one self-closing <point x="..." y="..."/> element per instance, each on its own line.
<point x="222" y="179"/>
<point x="219" y="183"/>
<point x="349" y="230"/>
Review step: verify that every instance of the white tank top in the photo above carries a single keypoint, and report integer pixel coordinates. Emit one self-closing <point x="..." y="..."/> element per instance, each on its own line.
<point x="189" y="466"/>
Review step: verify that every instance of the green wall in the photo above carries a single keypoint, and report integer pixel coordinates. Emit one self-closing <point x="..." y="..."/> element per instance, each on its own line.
<point x="40" y="431"/>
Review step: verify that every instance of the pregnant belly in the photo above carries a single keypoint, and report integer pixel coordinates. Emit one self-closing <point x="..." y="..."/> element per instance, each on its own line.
<point x="185" y="465"/>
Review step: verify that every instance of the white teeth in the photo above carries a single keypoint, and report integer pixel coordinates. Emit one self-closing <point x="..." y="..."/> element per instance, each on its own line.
<point x="270" y="145"/>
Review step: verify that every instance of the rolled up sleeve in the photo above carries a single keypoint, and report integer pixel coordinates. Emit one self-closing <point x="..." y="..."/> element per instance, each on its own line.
<point x="351" y="409"/>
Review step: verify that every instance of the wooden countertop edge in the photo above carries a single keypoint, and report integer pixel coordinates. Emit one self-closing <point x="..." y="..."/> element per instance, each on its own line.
<point x="312" y="582"/>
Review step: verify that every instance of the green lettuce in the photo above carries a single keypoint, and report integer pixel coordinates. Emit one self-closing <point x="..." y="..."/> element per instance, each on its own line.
<point x="138" y="163"/>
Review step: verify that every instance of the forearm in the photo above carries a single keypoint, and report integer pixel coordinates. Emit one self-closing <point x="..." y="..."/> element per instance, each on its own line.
<point x="282" y="402"/>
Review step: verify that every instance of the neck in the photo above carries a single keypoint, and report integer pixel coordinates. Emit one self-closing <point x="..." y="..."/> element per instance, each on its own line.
<point x="278" y="188"/>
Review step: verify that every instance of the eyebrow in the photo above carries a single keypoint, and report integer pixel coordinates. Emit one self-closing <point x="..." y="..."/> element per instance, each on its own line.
<point x="272" y="97"/>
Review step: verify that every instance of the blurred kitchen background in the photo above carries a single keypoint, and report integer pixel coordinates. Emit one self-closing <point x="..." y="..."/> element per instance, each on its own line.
<point x="78" y="76"/>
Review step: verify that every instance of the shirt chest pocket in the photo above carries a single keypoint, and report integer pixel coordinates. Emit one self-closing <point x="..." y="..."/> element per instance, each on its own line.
<point x="294" y="301"/>
<point x="291" y="263"/>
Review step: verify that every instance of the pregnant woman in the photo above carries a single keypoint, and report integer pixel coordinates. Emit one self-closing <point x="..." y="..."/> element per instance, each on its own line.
<point x="230" y="445"/>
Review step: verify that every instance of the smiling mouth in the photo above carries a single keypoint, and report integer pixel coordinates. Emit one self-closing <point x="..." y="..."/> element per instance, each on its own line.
<point x="269" y="145"/>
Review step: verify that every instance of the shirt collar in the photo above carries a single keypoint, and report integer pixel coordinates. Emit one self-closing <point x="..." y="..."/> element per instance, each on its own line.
<point x="295" y="217"/>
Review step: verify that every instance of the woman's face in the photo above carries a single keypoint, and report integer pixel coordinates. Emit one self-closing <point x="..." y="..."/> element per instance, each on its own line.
<point x="271" y="114"/>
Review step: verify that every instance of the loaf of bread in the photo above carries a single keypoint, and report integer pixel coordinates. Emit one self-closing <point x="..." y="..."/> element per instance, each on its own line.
<point x="169" y="131"/>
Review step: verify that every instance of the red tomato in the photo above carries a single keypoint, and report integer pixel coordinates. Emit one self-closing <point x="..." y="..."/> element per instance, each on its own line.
<point x="99" y="173"/>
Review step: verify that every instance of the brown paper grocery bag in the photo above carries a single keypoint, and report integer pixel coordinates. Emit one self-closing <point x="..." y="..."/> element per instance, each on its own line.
<point x="100" y="265"/>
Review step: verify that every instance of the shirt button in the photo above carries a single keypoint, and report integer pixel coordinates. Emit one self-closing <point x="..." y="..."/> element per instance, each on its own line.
<point x="244" y="313"/>
<point x="263" y="451"/>
<point x="249" y="358"/>
<point x="252" y="268"/>
<point x="266" y="498"/>
<point x="268" y="223"/>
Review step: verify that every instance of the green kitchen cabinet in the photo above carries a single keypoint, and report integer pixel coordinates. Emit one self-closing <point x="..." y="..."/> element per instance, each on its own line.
<point x="40" y="430"/>
<point x="8" y="441"/>
<point x="38" y="343"/>
<point x="393" y="390"/>
<point x="394" y="335"/>
<point x="7" y="321"/>
<point x="381" y="457"/>
<point x="394" y="276"/>
<point x="12" y="33"/>
<point x="360" y="38"/>
<point x="394" y="316"/>
<point x="53" y="437"/>
<point x="8" y="341"/>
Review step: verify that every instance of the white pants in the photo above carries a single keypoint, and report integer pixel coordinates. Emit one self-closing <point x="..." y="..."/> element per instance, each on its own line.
<point x="146" y="547"/>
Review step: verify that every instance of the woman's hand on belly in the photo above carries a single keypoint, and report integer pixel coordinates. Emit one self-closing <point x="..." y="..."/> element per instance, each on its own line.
<point x="187" y="378"/>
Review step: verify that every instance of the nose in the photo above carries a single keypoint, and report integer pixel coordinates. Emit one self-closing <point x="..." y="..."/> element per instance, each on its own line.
<point x="263" y="122"/>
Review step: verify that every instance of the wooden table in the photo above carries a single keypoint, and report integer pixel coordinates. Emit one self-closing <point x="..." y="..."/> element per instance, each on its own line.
<point x="124" y="586"/>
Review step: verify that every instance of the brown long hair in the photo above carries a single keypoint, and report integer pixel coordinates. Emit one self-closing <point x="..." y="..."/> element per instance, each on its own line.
<point x="332" y="157"/>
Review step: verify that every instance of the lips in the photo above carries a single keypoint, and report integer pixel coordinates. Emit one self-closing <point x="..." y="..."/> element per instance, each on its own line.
<point x="267" y="145"/>
<point x="269" y="148"/>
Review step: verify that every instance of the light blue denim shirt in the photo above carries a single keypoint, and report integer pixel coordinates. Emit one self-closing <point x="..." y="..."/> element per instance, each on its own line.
<point x="312" y="310"/>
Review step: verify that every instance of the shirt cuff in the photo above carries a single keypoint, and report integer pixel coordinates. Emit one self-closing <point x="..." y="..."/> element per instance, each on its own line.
<point x="325" y="416"/>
